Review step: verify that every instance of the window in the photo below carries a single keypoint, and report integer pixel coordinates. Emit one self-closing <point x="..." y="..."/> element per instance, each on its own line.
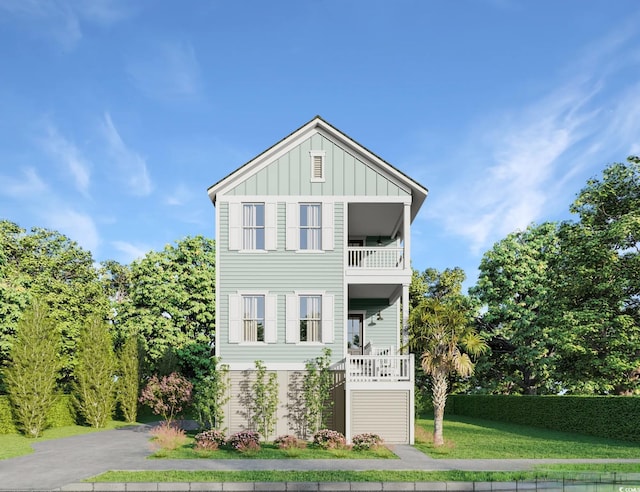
<point x="253" y="226"/>
<point x="310" y="226"/>
<point x="310" y="318"/>
<point x="317" y="166"/>
<point x="253" y="319"/>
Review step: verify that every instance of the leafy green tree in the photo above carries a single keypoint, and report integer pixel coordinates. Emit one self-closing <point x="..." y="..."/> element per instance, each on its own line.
<point x="441" y="330"/>
<point x="597" y="286"/>
<point x="95" y="374"/>
<point x="515" y="287"/>
<point x="46" y="264"/>
<point x="171" y="303"/>
<point x="32" y="371"/>
<point x="265" y="400"/>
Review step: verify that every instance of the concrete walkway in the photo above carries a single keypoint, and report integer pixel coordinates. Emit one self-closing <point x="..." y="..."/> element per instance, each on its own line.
<point x="63" y="463"/>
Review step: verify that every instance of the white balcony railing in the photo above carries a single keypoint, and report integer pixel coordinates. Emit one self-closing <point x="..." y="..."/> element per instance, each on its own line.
<point x="365" y="368"/>
<point x="375" y="258"/>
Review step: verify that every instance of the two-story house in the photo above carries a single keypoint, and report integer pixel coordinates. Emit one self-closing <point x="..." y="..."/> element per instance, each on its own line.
<point x="313" y="245"/>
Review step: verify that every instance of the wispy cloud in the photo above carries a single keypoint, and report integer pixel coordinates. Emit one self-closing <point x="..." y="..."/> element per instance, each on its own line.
<point x="168" y="71"/>
<point x="76" y="225"/>
<point x="69" y="156"/>
<point x="131" y="166"/>
<point x="534" y="150"/>
<point x="23" y="187"/>
<point x="181" y="195"/>
<point x="61" y="20"/>
<point x="130" y="251"/>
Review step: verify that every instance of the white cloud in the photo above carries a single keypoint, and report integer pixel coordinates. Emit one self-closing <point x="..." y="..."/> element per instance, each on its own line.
<point x="535" y="149"/>
<point x="168" y="71"/>
<point x="131" y="251"/>
<point x="68" y="154"/>
<point x="24" y="187"/>
<point x="77" y="226"/>
<point x="130" y="166"/>
<point x="180" y="196"/>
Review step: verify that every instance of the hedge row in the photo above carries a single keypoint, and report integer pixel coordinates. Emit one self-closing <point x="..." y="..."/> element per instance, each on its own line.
<point x="614" y="417"/>
<point x="61" y="415"/>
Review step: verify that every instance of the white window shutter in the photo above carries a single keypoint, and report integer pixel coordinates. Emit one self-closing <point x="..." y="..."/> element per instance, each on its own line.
<point x="293" y="226"/>
<point x="270" y="325"/>
<point x="235" y="318"/>
<point x="293" y="320"/>
<point x="327" y="227"/>
<point x="270" y="229"/>
<point x="327" y="318"/>
<point x="235" y="226"/>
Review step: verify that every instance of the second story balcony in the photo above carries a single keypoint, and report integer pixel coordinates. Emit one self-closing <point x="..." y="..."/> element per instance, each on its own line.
<point x="376" y="258"/>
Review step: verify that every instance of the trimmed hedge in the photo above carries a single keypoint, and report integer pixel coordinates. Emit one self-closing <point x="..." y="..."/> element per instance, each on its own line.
<point x="614" y="417"/>
<point x="62" y="414"/>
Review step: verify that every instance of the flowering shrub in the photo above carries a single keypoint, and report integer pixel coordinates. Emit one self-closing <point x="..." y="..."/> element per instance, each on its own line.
<point x="209" y="440"/>
<point x="289" y="442"/>
<point x="329" y="439"/>
<point x="244" y="441"/>
<point x="168" y="436"/>
<point x="366" y="441"/>
<point x="167" y="396"/>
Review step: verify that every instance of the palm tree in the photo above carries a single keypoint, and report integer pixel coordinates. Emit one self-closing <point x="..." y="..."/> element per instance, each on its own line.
<point x="440" y="329"/>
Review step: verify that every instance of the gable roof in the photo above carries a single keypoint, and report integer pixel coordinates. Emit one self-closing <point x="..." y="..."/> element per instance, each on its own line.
<point x="319" y="125"/>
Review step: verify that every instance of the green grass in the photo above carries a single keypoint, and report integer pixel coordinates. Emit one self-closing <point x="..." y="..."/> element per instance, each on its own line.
<point x="476" y="439"/>
<point x="339" y="476"/>
<point x="271" y="451"/>
<point x="13" y="445"/>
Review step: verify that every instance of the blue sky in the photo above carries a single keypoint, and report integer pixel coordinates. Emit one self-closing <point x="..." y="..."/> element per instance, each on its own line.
<point x="116" y="115"/>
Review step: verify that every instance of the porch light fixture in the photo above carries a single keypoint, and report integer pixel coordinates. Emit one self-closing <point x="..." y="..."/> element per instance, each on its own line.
<point x="379" y="318"/>
<point x="379" y="241"/>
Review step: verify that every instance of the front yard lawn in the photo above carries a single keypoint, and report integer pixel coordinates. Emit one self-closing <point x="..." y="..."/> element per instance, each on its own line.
<point x="484" y="439"/>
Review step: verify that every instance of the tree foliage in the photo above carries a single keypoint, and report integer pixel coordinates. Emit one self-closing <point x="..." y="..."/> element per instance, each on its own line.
<point x="596" y="286"/>
<point x="95" y="374"/>
<point x="128" y="383"/>
<point x="48" y="265"/>
<point x="167" y="395"/>
<point x="316" y="388"/>
<point x="265" y="400"/>
<point x="32" y="371"/>
<point x="514" y="285"/>
<point x="210" y="394"/>
<point x="171" y="302"/>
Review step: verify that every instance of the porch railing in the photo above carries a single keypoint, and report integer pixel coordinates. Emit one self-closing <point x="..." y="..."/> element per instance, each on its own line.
<point x="375" y="258"/>
<point x="364" y="368"/>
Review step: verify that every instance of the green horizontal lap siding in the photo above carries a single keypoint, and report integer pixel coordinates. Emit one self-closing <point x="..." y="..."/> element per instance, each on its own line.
<point x="345" y="175"/>
<point x="380" y="333"/>
<point x="279" y="272"/>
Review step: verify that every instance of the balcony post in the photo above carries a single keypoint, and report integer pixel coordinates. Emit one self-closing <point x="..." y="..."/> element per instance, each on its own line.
<point x="406" y="235"/>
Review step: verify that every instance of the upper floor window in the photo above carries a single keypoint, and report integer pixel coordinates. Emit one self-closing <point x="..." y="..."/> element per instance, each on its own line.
<point x="253" y="231"/>
<point x="310" y="226"/>
<point x="310" y="318"/>
<point x="253" y="318"/>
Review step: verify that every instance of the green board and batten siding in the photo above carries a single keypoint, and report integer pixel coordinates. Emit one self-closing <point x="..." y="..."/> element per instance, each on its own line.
<point x="345" y="175"/>
<point x="279" y="272"/>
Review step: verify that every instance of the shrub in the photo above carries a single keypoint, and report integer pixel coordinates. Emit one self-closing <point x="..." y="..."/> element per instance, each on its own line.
<point x="329" y="439"/>
<point x="289" y="442"/>
<point x="265" y="399"/>
<point x="167" y="396"/>
<point x="244" y="441"/>
<point x="210" y="394"/>
<point x="366" y="441"/>
<point x="168" y="436"/>
<point x="129" y="378"/>
<point x="209" y="440"/>
<point x="31" y="375"/>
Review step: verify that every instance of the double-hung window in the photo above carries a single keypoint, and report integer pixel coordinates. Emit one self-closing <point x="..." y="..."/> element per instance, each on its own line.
<point x="253" y="226"/>
<point x="310" y="226"/>
<point x="310" y="318"/>
<point x="253" y="319"/>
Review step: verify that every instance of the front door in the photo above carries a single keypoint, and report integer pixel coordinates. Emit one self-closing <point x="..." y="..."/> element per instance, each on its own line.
<point x="355" y="335"/>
